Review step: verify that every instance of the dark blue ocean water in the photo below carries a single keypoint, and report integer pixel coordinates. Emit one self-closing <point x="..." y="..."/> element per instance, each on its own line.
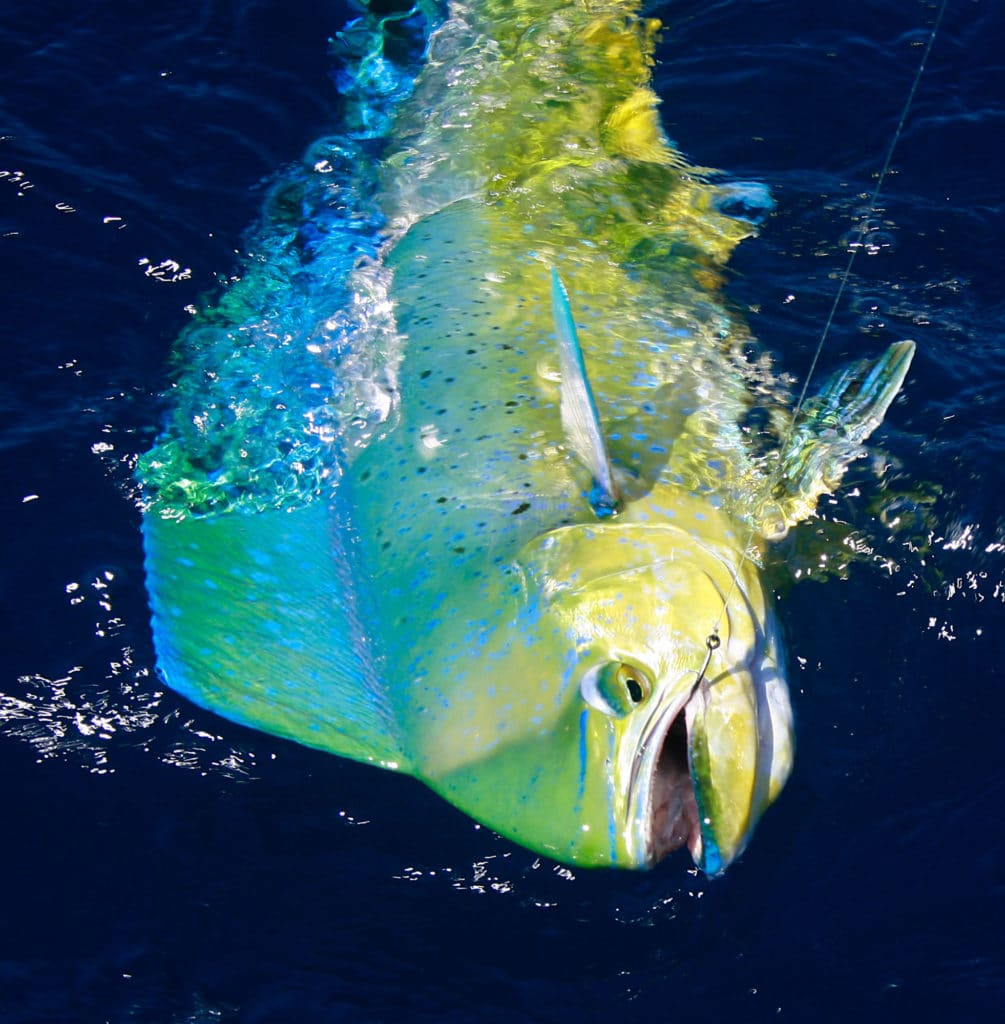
<point x="162" y="865"/>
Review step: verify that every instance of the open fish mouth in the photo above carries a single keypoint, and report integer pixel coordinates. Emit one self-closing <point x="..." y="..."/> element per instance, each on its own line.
<point x="674" y="820"/>
<point x="663" y="800"/>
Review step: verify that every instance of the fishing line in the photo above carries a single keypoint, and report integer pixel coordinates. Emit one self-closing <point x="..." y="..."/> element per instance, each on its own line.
<point x="712" y="641"/>
<point x="870" y="212"/>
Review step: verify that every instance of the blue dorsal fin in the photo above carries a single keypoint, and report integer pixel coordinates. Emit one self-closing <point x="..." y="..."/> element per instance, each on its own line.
<point x="580" y="419"/>
<point x="255" y="617"/>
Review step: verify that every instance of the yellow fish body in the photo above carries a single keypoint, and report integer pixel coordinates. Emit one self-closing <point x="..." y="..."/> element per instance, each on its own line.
<point x="531" y="578"/>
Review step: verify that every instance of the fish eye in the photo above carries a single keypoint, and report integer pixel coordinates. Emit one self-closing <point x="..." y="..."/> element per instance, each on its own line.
<point x="615" y="688"/>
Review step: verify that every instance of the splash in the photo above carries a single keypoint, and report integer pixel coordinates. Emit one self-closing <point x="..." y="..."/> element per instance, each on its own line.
<point x="293" y="370"/>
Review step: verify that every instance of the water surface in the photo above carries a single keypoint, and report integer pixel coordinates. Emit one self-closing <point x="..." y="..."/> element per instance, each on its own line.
<point x="164" y="865"/>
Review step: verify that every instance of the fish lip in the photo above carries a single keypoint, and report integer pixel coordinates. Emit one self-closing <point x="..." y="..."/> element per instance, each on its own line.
<point x="662" y="794"/>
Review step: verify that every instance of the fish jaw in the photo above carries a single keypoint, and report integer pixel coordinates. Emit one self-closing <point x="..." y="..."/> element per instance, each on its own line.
<point x="663" y="813"/>
<point x="740" y="750"/>
<point x="711" y="763"/>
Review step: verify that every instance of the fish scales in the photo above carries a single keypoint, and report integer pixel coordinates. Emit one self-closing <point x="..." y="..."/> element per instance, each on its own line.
<point x="532" y="580"/>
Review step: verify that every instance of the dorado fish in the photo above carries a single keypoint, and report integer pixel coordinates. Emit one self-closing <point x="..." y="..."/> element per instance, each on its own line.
<point x="459" y="478"/>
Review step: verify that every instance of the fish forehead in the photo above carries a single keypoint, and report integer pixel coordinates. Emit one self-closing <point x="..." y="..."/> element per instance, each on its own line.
<point x="480" y="364"/>
<point x="469" y="278"/>
<point x="475" y="466"/>
<point x="477" y="456"/>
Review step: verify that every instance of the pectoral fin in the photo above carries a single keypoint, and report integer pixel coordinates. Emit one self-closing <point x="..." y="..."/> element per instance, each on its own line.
<point x="580" y="419"/>
<point x="256" y="618"/>
<point x="829" y="432"/>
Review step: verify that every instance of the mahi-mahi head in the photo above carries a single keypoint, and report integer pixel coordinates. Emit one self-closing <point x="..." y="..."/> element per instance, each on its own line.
<point x="459" y="478"/>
